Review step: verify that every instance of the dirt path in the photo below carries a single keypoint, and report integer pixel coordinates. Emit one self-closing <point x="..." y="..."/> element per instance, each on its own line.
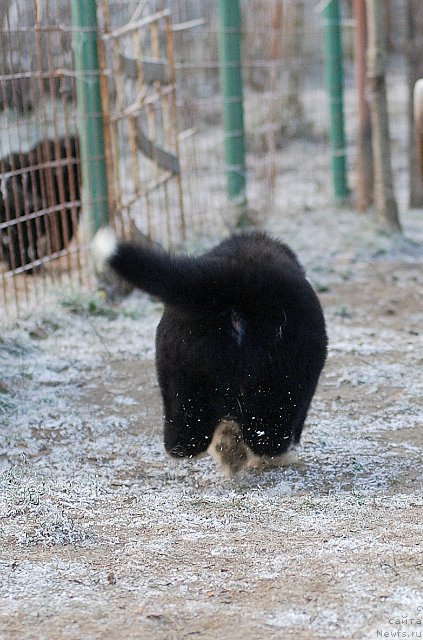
<point x="103" y="536"/>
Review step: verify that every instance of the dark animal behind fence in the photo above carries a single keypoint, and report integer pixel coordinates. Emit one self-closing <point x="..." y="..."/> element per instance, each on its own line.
<point x="39" y="201"/>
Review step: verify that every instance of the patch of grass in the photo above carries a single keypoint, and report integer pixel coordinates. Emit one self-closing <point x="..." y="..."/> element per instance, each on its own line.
<point x="343" y="312"/>
<point x="321" y="287"/>
<point x="37" y="507"/>
<point x="7" y="403"/>
<point x="89" y="305"/>
<point x="94" y="305"/>
<point x="13" y="347"/>
<point x="19" y="491"/>
<point x="132" y="314"/>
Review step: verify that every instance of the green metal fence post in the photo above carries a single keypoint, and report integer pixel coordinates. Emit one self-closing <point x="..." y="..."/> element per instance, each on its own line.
<point x="90" y="119"/>
<point x="232" y="95"/>
<point x="335" y="87"/>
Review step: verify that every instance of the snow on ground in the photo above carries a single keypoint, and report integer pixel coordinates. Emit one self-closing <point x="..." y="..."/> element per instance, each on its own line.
<point x="103" y="536"/>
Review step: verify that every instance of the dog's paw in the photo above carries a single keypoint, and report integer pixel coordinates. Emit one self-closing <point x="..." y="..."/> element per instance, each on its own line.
<point x="103" y="247"/>
<point x="260" y="463"/>
<point x="228" y="449"/>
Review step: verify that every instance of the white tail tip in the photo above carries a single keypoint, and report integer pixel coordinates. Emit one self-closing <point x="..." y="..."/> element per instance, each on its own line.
<point x="103" y="247"/>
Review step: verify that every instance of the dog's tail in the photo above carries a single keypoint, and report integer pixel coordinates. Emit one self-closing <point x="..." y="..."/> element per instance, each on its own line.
<point x="185" y="281"/>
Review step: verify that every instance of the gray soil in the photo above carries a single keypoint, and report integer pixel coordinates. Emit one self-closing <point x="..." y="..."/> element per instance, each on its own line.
<point x="104" y="536"/>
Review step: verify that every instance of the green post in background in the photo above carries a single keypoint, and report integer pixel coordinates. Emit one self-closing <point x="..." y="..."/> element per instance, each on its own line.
<point x="335" y="87"/>
<point x="90" y="117"/>
<point x="232" y="95"/>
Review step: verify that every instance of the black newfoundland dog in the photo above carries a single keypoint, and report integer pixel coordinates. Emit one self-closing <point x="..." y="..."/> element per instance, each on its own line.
<point x="239" y="348"/>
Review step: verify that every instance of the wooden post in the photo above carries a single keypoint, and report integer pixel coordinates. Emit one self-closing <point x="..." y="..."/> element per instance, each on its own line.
<point x="414" y="73"/>
<point x="385" y="201"/>
<point x="365" y="157"/>
<point x="418" y="124"/>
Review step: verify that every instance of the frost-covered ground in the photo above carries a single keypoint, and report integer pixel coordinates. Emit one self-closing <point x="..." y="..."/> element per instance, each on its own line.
<point x="103" y="536"/>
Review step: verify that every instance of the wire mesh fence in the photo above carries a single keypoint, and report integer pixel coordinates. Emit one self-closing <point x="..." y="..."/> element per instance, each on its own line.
<point x="284" y="100"/>
<point x="164" y="139"/>
<point x="40" y="201"/>
<point x="142" y="126"/>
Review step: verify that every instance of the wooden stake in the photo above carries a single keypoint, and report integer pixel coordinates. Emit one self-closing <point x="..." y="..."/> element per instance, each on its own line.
<point x="385" y="201"/>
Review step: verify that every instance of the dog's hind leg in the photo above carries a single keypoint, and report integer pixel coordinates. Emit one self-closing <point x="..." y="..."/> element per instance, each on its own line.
<point x="187" y="438"/>
<point x="189" y="424"/>
<point x="268" y="434"/>
<point x="228" y="449"/>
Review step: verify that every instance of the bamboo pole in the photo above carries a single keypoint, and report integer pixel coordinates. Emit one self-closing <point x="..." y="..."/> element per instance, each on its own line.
<point x="364" y="134"/>
<point x="90" y="125"/>
<point x="232" y="96"/>
<point x="335" y="87"/>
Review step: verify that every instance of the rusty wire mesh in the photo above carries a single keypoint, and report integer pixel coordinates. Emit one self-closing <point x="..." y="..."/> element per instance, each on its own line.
<point x="40" y="200"/>
<point x="163" y="125"/>
<point x="284" y="101"/>
<point x="285" y="104"/>
<point x="142" y="126"/>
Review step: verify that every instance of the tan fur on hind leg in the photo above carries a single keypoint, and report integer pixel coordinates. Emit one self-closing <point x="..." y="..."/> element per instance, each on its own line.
<point x="228" y="449"/>
<point x="231" y="453"/>
<point x="267" y="462"/>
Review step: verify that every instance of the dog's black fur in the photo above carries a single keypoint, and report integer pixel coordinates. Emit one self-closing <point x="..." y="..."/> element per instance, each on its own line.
<point x="242" y="337"/>
<point x="28" y="185"/>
